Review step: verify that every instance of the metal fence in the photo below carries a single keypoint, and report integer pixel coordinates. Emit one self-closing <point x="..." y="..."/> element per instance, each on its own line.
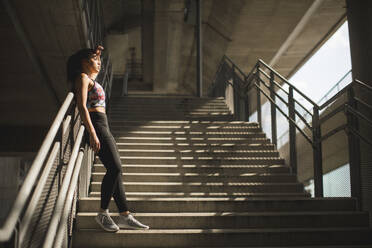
<point x="344" y="81"/>
<point x="43" y="207"/>
<point x="245" y="93"/>
<point x="44" y="210"/>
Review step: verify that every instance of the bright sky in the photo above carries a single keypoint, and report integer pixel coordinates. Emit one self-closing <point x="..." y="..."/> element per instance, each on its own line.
<point x="317" y="76"/>
<point x="323" y="70"/>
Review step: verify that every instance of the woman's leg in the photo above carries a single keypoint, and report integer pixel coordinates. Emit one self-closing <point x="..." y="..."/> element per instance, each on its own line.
<point x="112" y="184"/>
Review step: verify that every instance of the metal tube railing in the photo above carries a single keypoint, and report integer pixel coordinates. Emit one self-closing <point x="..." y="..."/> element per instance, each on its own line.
<point x="23" y="194"/>
<point x="287" y="82"/>
<point x="19" y="220"/>
<point x="69" y="199"/>
<point x="227" y="69"/>
<point x="36" y="196"/>
<point x="50" y="235"/>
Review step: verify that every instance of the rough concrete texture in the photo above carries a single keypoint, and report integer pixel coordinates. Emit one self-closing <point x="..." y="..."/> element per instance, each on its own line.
<point x="118" y="45"/>
<point x="54" y="32"/>
<point x="245" y="30"/>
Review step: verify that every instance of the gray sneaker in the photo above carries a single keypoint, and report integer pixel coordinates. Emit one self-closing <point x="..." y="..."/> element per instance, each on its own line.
<point x="130" y="222"/>
<point x="105" y="221"/>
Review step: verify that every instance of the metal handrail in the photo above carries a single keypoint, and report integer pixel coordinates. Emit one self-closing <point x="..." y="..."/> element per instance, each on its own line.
<point x="335" y="86"/>
<point x="69" y="198"/>
<point x="228" y="70"/>
<point x="287" y="82"/>
<point x="19" y="217"/>
<point x="25" y="191"/>
<point x="35" y="198"/>
<point x="58" y="209"/>
<point x="325" y="104"/>
<point x="124" y="89"/>
<point x="285" y="115"/>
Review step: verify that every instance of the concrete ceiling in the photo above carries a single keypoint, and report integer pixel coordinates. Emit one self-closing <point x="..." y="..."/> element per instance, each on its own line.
<point x="34" y="88"/>
<point x="34" y="80"/>
<point x="245" y="30"/>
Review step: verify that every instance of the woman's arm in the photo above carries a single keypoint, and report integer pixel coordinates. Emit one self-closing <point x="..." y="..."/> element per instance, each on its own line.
<point x="81" y="86"/>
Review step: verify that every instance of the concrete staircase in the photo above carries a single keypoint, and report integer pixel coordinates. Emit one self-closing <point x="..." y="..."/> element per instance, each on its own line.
<point x="200" y="179"/>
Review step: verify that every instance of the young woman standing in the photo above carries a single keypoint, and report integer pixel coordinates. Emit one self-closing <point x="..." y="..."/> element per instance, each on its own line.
<point x="82" y="70"/>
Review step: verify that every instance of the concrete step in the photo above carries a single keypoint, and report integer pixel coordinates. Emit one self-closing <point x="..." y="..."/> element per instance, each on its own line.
<point x="209" y="220"/>
<point x="187" y="135"/>
<point x="200" y="108"/>
<point x="230" y="188"/>
<point x="171" y="117"/>
<point x="196" y="177"/>
<point x="192" y="140"/>
<point x="186" y="123"/>
<point x="179" y="128"/>
<point x="173" y="107"/>
<point x="166" y="100"/>
<point x="167" y="112"/>
<point x="200" y="161"/>
<point x="211" y="146"/>
<point x="226" y="170"/>
<point x="223" y="237"/>
<point x="197" y="153"/>
<point x="168" y="104"/>
<point x="234" y="195"/>
<point x="225" y="204"/>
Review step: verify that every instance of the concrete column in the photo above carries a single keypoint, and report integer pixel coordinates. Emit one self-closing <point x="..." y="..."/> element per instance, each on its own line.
<point x="9" y="182"/>
<point x="148" y="8"/>
<point x="359" y="14"/>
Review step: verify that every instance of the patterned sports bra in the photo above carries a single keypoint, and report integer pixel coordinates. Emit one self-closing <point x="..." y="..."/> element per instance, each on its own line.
<point x="96" y="96"/>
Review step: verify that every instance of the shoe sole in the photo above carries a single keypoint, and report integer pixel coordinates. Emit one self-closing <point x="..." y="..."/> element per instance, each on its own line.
<point x="104" y="228"/>
<point x="134" y="228"/>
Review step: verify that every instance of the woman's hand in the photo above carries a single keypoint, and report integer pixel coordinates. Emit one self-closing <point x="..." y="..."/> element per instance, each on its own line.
<point x="94" y="142"/>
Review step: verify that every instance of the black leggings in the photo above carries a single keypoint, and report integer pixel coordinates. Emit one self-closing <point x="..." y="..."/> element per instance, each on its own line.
<point x="112" y="183"/>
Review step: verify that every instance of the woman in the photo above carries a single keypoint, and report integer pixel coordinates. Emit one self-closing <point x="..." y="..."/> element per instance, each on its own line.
<point x="82" y="70"/>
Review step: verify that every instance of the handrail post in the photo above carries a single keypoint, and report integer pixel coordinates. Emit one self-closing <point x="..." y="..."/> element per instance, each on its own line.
<point x="317" y="154"/>
<point x="259" y="112"/>
<point x="246" y="101"/>
<point x="292" y="131"/>
<point x="124" y="91"/>
<point x="273" y="110"/>
<point x="354" y="149"/>
<point x="235" y="94"/>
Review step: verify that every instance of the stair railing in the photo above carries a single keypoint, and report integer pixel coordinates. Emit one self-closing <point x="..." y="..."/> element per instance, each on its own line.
<point x="95" y="28"/>
<point x="335" y="88"/>
<point x="124" y="88"/>
<point x="44" y="208"/>
<point x="271" y="85"/>
<point x="44" y="202"/>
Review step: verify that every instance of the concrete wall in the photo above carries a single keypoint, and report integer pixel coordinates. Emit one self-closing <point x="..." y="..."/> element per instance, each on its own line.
<point x="13" y="171"/>
<point x="118" y="46"/>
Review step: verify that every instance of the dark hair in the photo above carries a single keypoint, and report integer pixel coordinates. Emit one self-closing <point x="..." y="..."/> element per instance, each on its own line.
<point x="74" y="66"/>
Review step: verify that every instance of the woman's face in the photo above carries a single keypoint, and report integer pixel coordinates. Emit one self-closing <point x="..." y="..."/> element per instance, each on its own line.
<point x="93" y="64"/>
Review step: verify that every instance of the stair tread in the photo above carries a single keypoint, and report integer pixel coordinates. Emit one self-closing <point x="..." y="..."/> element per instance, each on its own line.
<point x="227" y="214"/>
<point x="202" y="199"/>
<point x="200" y="166"/>
<point x="218" y="184"/>
<point x="164" y="150"/>
<point x="154" y="174"/>
<point x="237" y="230"/>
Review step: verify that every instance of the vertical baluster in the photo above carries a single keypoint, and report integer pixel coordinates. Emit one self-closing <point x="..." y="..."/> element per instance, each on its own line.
<point x="317" y="154"/>
<point x="273" y="110"/>
<point x="246" y="101"/>
<point x="292" y="131"/>
<point x="259" y="113"/>
<point x="354" y="149"/>
<point x="234" y="88"/>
